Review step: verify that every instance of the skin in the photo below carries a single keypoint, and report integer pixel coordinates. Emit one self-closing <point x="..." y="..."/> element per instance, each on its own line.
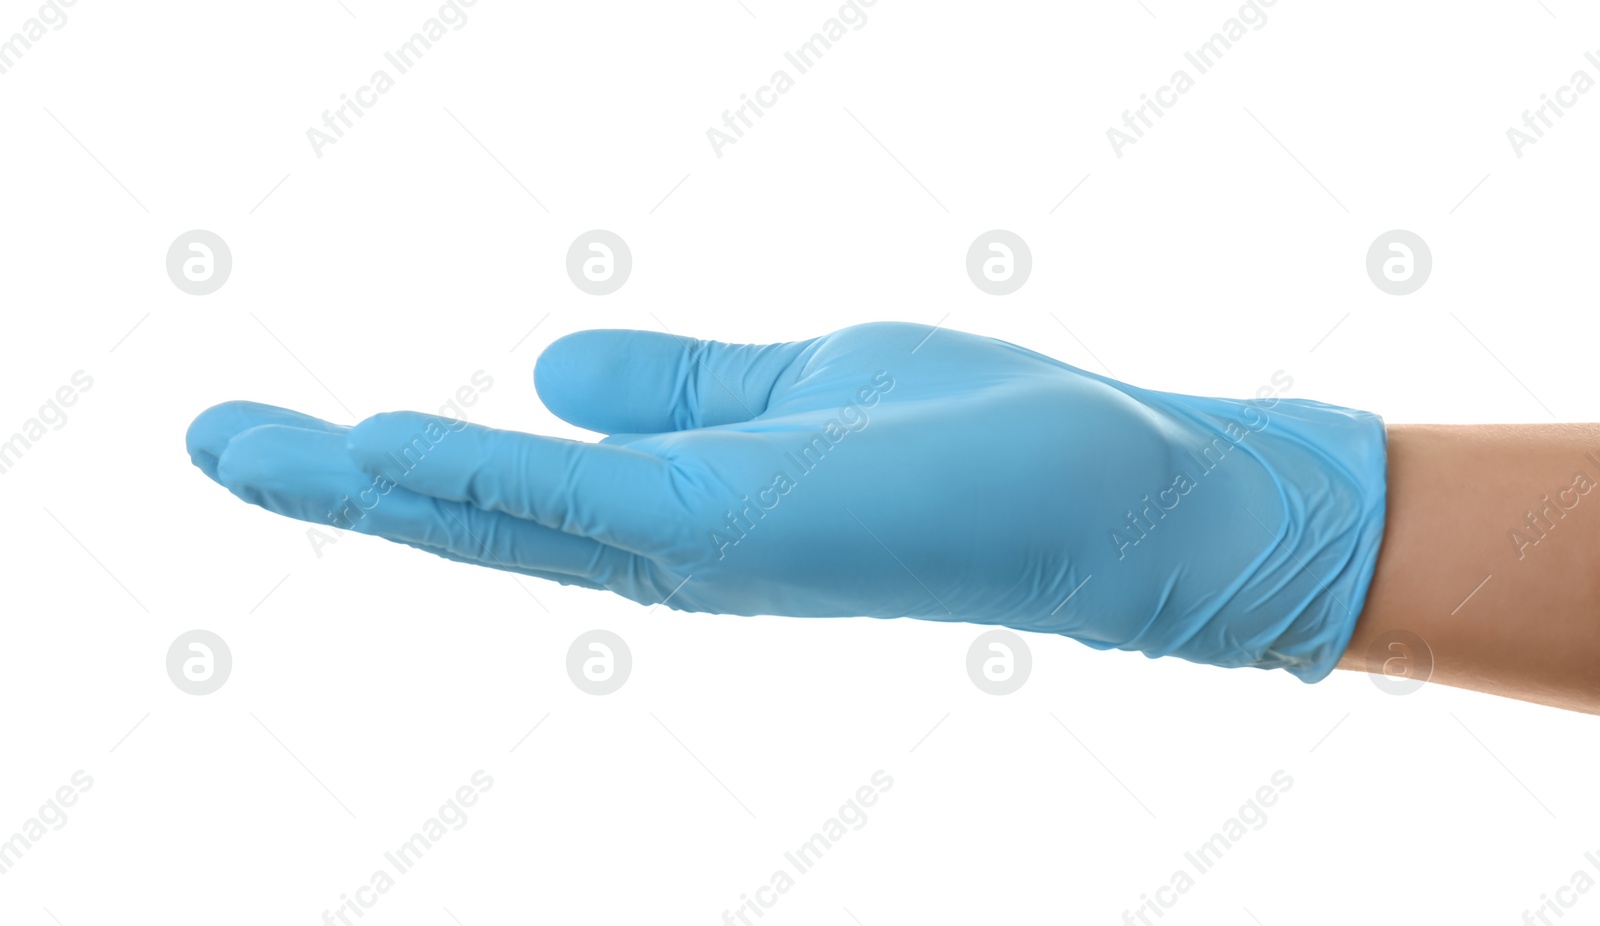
<point x="1532" y="631"/>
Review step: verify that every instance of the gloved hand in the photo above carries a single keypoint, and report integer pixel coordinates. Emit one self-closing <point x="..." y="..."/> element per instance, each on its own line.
<point x="884" y="470"/>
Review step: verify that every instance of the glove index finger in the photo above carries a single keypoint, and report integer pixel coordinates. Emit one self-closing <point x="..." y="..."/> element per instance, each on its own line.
<point x="612" y="494"/>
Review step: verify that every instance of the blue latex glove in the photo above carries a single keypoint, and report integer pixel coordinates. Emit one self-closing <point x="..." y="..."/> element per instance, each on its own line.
<point x="884" y="470"/>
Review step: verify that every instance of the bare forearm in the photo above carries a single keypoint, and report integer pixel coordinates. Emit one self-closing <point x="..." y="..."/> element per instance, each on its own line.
<point x="1507" y="604"/>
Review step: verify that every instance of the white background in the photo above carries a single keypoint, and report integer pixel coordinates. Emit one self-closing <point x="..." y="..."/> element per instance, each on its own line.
<point x="373" y="681"/>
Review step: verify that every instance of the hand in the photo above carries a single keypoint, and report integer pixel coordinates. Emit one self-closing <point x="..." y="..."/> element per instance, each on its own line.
<point x="884" y="470"/>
